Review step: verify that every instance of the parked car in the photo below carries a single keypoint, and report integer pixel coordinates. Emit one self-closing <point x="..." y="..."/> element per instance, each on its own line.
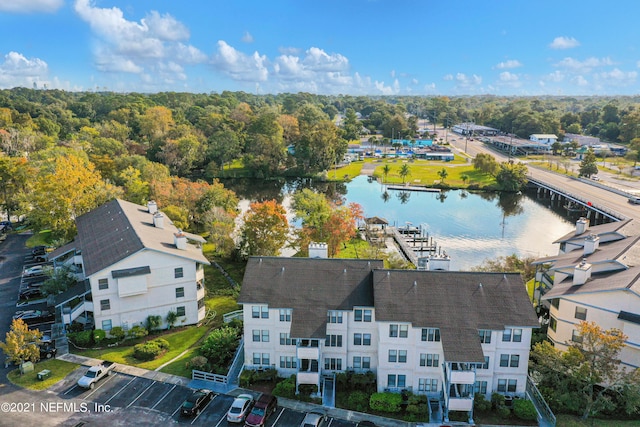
<point x="635" y="200"/>
<point x="39" y="250"/>
<point x="95" y="374"/>
<point x="314" y="419"/>
<point x="36" y="270"/>
<point x="193" y="405"/>
<point x="34" y="316"/>
<point x="29" y="293"/>
<point x="264" y="407"/>
<point x="240" y="408"/>
<point x="47" y="350"/>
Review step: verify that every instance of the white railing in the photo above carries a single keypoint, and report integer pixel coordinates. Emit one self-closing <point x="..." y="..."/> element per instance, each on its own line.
<point x="232" y="315"/>
<point x="208" y="376"/>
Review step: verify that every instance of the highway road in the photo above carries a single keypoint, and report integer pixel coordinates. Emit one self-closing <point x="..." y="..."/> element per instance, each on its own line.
<point x="600" y="193"/>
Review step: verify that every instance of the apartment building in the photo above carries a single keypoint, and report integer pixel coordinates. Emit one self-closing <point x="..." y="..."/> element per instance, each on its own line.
<point x="594" y="277"/>
<point x="136" y="263"/>
<point x="443" y="334"/>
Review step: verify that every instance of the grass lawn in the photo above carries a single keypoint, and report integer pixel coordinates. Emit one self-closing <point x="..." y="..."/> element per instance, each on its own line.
<point x="179" y="366"/>
<point x="351" y="171"/>
<point x="179" y="341"/>
<point x="59" y="370"/>
<point x="425" y="172"/>
<point x="41" y="238"/>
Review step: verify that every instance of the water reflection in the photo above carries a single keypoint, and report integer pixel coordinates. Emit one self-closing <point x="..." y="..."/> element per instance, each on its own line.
<point x="470" y="226"/>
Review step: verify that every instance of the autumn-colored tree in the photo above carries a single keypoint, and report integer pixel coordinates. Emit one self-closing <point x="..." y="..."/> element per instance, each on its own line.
<point x="15" y="179"/>
<point x="342" y="226"/>
<point x="264" y="230"/>
<point x="71" y="189"/>
<point x="583" y="378"/>
<point x="21" y="343"/>
<point x="156" y="122"/>
<point x="135" y="189"/>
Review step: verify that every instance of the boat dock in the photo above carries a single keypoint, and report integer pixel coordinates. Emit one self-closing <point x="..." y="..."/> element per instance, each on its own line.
<point x="412" y="188"/>
<point x="413" y="242"/>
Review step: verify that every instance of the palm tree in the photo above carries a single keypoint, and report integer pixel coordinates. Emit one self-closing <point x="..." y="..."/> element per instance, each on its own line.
<point x="385" y="171"/>
<point x="464" y="177"/>
<point x="404" y="172"/>
<point x="443" y="174"/>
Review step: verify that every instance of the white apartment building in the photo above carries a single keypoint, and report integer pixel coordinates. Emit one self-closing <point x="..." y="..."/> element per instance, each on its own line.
<point x="594" y="277"/>
<point x="443" y="334"/>
<point x="136" y="264"/>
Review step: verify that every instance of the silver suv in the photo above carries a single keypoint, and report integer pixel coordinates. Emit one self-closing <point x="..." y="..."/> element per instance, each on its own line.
<point x="313" y="419"/>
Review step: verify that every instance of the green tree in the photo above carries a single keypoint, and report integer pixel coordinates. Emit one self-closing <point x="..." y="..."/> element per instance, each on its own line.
<point x="588" y="164"/>
<point x="135" y="189"/>
<point x="265" y="151"/>
<point x="60" y="279"/>
<point x="464" y="177"/>
<point x="351" y="125"/>
<point x="171" y="319"/>
<point x="219" y="348"/>
<point x="404" y="172"/>
<point x="264" y="230"/>
<point x="512" y="176"/>
<point x="15" y="180"/>
<point x="179" y="216"/>
<point x="21" y="343"/>
<point x="510" y="264"/>
<point x="385" y="171"/>
<point x="486" y="163"/>
<point x="442" y="173"/>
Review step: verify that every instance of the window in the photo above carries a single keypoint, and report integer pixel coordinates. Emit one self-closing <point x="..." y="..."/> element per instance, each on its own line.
<point x="502" y="386"/>
<point x="485" y="336"/>
<point x="428" y="384"/>
<point x="366" y="362"/>
<point x="259" y="311"/>
<point x="333" y="341"/>
<point x="484" y="365"/>
<point x="581" y="313"/>
<point x="402" y="356"/>
<point x="396" y="380"/>
<point x="575" y="336"/>
<point x="509" y="360"/>
<point x="105" y="304"/>
<point x="431" y="334"/>
<point x="514" y="335"/>
<point x="517" y="335"/>
<point x="106" y="325"/>
<point x="285" y="315"/>
<point x="334" y="316"/>
<point x="200" y="303"/>
<point x="393" y="356"/>
<point x="261" y="359"/>
<point x="285" y="339"/>
<point x="181" y="311"/>
<point x="179" y="292"/>
<point x="506" y="335"/>
<point x="255" y="312"/>
<point x="512" y="385"/>
<point x="361" y="362"/>
<point x="361" y="339"/>
<point x="553" y="324"/>
<point x="396" y="331"/>
<point x="362" y="315"/>
<point x="505" y="386"/>
<point x="260" y="335"/>
<point x="178" y="273"/>
<point x="288" y="362"/>
<point x="103" y="284"/>
<point x="264" y="312"/>
<point x="480" y="387"/>
<point x="333" y="364"/>
<point x="555" y="303"/>
<point x="430" y="360"/>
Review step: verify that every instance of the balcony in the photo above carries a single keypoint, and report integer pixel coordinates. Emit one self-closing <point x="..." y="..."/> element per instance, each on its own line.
<point x="463" y="377"/>
<point x="460" y="404"/>
<point x="308" y="377"/>
<point x="308" y="353"/>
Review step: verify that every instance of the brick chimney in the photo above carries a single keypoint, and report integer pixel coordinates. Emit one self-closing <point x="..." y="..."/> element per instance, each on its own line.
<point x="152" y="207"/>
<point x="581" y="273"/>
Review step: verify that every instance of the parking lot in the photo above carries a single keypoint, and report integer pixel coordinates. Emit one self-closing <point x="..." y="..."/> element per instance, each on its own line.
<point x="121" y="390"/>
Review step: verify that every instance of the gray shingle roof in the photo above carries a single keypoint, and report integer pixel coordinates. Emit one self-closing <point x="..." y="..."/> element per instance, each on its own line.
<point x="606" y="252"/>
<point x="310" y="287"/>
<point x="118" y="229"/>
<point x="607" y="228"/>
<point x="605" y="282"/>
<point x="459" y="303"/>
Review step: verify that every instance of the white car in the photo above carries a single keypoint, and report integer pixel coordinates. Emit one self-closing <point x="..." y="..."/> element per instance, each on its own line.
<point x="36" y="270"/>
<point x="313" y="419"/>
<point x="240" y="408"/>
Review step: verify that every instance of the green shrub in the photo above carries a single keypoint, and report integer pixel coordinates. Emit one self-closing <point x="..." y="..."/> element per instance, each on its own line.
<point x="497" y="400"/>
<point x="417" y="404"/>
<point x="524" y="409"/>
<point x="76" y="327"/>
<point x="98" y="336"/>
<point x="199" y="363"/>
<point x="162" y="343"/>
<point x="82" y="338"/>
<point x="503" y="412"/>
<point x="117" y="332"/>
<point x="153" y="322"/>
<point x="247" y="377"/>
<point x="385" y="402"/>
<point x="480" y="403"/>
<point x="358" y="401"/>
<point x="137" y="332"/>
<point x="306" y="390"/>
<point x="146" y="351"/>
<point x="286" y="388"/>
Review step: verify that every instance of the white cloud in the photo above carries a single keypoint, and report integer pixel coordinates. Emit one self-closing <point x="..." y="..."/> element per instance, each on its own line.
<point x="564" y="43"/>
<point x="580" y="81"/>
<point x="17" y="70"/>
<point x="239" y="66"/>
<point x="587" y="65"/>
<point x="388" y="90"/>
<point x="512" y="63"/>
<point x="318" y="60"/>
<point x="247" y="37"/>
<point x="151" y="46"/>
<point x="507" y="77"/>
<point x="467" y="81"/>
<point x="616" y="77"/>
<point x="30" y="6"/>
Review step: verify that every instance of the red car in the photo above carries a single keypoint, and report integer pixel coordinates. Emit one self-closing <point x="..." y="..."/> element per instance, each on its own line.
<point x="263" y="408"/>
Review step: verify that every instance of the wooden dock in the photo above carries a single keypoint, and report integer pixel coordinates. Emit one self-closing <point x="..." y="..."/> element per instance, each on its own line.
<point x="412" y="242"/>
<point x="412" y="188"/>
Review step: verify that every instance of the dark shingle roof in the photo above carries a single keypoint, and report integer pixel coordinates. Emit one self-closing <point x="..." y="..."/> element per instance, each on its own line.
<point x="310" y="287"/>
<point x="118" y="229"/>
<point x="459" y="303"/>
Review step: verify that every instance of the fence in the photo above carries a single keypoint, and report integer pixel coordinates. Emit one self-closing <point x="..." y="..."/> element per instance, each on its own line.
<point x="539" y="402"/>
<point x="223" y="383"/>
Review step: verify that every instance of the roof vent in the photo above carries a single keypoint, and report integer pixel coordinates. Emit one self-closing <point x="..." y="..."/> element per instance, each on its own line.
<point x="180" y="240"/>
<point x="480" y="285"/>
<point x="152" y="207"/>
<point x="158" y="220"/>
<point x="282" y="271"/>
<point x="344" y="271"/>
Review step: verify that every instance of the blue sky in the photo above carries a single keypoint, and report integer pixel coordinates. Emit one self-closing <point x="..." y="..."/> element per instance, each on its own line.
<point x="356" y="47"/>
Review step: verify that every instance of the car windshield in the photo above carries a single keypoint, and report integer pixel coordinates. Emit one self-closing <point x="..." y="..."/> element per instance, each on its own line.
<point x="235" y="410"/>
<point x="91" y="374"/>
<point x="258" y="411"/>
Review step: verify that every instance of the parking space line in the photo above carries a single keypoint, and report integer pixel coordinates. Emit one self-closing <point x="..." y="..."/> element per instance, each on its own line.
<point x="330" y="421"/>
<point x="165" y="395"/>
<point x="118" y="392"/>
<point x="69" y="391"/>
<point x="278" y="417"/>
<point x="203" y="409"/>
<point x="145" y="390"/>
<point x="109" y="378"/>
